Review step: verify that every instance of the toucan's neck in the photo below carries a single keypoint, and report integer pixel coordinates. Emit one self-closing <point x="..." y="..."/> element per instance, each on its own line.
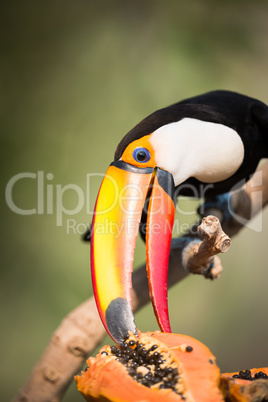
<point x="210" y="152"/>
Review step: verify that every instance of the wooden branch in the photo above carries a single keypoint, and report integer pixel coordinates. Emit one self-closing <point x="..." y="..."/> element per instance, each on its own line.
<point x="81" y="331"/>
<point x="199" y="258"/>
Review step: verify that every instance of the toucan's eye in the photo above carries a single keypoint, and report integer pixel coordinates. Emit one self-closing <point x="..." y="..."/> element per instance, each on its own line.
<point x="141" y="155"/>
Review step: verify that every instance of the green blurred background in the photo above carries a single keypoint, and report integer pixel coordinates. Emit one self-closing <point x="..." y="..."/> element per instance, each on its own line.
<point x="76" y="76"/>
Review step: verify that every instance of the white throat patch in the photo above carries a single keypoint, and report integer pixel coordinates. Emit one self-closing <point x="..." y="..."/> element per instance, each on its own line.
<point x="210" y="152"/>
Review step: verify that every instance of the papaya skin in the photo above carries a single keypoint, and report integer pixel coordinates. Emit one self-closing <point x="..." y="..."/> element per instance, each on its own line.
<point x="106" y="379"/>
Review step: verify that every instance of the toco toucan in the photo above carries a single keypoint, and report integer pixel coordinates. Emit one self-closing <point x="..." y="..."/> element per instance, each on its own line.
<point x="212" y="142"/>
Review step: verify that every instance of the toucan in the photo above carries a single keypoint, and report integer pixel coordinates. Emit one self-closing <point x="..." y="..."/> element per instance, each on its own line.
<point x="201" y="146"/>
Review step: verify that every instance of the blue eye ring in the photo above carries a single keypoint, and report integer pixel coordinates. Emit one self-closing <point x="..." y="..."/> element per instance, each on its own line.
<point x="141" y="155"/>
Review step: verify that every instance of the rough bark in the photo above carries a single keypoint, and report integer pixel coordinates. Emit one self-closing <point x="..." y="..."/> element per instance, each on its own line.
<point x="199" y="258"/>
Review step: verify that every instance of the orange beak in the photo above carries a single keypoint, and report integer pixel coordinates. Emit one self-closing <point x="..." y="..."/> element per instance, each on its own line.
<point x="117" y="216"/>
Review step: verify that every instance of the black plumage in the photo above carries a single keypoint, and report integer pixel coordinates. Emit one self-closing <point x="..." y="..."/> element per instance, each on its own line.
<point x="247" y="116"/>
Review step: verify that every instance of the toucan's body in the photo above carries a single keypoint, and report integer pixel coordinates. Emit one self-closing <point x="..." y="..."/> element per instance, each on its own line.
<point x="202" y="146"/>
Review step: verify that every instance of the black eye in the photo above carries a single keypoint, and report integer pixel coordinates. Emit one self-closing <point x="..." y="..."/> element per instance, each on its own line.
<point x="141" y="155"/>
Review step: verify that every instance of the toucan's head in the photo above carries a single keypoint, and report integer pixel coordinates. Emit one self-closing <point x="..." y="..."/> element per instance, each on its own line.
<point x="160" y="153"/>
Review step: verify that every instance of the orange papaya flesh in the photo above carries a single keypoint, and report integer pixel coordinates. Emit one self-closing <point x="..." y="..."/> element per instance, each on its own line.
<point x="246" y="385"/>
<point x="153" y="367"/>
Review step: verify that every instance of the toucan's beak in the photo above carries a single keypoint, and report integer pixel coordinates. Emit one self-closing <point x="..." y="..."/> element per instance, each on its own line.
<point x="117" y="216"/>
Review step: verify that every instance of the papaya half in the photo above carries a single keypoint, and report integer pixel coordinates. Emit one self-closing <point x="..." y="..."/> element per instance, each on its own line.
<point x="153" y="367"/>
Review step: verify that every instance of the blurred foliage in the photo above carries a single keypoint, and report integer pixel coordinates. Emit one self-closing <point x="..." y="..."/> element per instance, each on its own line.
<point x="76" y="76"/>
